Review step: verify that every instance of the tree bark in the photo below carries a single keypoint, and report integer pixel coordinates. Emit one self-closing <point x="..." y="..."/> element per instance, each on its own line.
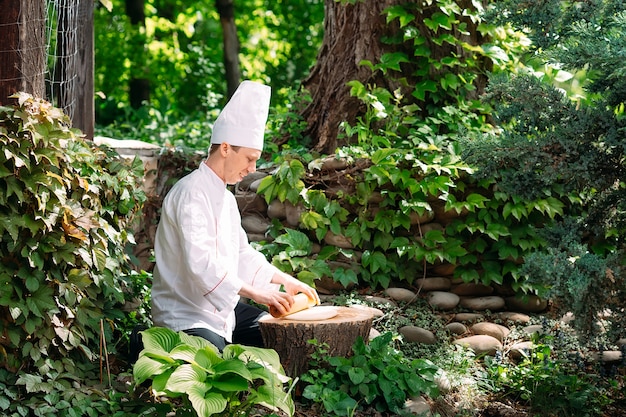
<point x="22" y="48"/>
<point x="225" y="8"/>
<point x="290" y="338"/>
<point x="353" y="33"/>
<point x="84" y="116"/>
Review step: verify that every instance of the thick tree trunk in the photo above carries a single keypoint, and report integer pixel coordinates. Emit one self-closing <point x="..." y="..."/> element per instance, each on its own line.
<point x="353" y="33"/>
<point x="22" y="48"/>
<point x="225" y="8"/>
<point x="290" y="338"/>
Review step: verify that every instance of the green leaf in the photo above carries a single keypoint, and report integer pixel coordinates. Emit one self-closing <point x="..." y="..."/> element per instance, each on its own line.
<point x="476" y="200"/>
<point x="231" y="383"/>
<point x="185" y="377"/>
<point x="184" y="352"/>
<point x="196" y="342"/>
<point x="381" y="175"/>
<point x="273" y="396"/>
<point x="346" y="277"/>
<point x="298" y="243"/>
<point x="374" y="260"/>
<point x="491" y="273"/>
<point x="382" y="154"/>
<point x="400" y="13"/>
<point x="356" y="375"/>
<point x="208" y="355"/>
<point x="206" y="404"/>
<point x="159" y="340"/>
<point x="495" y="231"/>
<point x="423" y="87"/>
<point x="342" y="405"/>
<point x="267" y="357"/>
<point x="311" y="220"/>
<point x="267" y="187"/>
<point x="41" y="301"/>
<point x="439" y="20"/>
<point x="236" y="367"/>
<point x="33" y="383"/>
<point x="393" y="61"/>
<point x="147" y="368"/>
<point x="32" y="283"/>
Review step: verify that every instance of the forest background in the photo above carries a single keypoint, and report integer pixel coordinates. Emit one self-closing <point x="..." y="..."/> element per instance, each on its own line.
<point x="535" y="87"/>
<point x="509" y="113"/>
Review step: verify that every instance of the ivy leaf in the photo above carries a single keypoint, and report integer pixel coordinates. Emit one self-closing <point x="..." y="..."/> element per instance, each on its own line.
<point x="33" y="383"/>
<point x="267" y="187"/>
<point x="476" y="201"/>
<point x="380" y="174"/>
<point x="345" y="276"/>
<point x="374" y="260"/>
<point x="400" y="13"/>
<point x="495" y="231"/>
<point x="41" y="301"/>
<point x="423" y="87"/>
<point x="298" y="243"/>
<point x="100" y="256"/>
<point x="14" y="187"/>
<point x="382" y="154"/>
<point x="392" y="61"/>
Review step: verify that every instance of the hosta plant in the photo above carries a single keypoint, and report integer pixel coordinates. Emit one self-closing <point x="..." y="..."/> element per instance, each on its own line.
<point x="226" y="384"/>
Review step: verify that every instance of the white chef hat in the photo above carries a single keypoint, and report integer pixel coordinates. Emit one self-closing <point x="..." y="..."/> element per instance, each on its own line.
<point x="242" y="121"/>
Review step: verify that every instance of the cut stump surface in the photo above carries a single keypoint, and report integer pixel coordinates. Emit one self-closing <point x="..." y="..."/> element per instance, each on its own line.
<point x="289" y="338"/>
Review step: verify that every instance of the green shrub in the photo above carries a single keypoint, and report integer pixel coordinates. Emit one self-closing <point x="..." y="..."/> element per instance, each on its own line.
<point x="67" y="210"/>
<point x="229" y="384"/>
<point x="542" y="383"/>
<point x="376" y="375"/>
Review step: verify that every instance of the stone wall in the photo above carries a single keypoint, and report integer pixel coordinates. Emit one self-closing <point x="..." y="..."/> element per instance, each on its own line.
<point x="477" y="315"/>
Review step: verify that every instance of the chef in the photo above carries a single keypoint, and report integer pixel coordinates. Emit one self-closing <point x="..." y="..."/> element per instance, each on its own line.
<point x="204" y="262"/>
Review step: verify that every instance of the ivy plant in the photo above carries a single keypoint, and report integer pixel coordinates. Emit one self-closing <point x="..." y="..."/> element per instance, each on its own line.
<point x="376" y="374"/>
<point x="408" y="161"/>
<point x="226" y="384"/>
<point x="66" y="216"/>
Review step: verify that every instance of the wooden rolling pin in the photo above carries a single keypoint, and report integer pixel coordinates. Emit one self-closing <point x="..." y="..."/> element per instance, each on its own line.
<point x="300" y="302"/>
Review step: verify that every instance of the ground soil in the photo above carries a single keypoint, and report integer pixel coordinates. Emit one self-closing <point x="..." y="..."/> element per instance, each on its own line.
<point x="494" y="408"/>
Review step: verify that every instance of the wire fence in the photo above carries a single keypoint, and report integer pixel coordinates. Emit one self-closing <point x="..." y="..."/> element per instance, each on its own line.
<point x="62" y="51"/>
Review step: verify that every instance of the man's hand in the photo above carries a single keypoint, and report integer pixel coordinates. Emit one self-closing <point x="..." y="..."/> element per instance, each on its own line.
<point x="279" y="300"/>
<point x="294" y="286"/>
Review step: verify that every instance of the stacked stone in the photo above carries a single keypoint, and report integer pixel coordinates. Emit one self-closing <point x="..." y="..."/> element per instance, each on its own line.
<point x="471" y="326"/>
<point x="470" y="309"/>
<point x="474" y="323"/>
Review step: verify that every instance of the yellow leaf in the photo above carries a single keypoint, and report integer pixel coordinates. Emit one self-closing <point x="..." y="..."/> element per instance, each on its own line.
<point x="71" y="230"/>
<point x="57" y="176"/>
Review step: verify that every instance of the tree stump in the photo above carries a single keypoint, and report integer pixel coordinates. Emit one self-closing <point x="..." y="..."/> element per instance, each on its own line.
<point x="289" y="338"/>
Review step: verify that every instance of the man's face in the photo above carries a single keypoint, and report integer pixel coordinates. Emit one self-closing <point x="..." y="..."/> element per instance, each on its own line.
<point x="240" y="161"/>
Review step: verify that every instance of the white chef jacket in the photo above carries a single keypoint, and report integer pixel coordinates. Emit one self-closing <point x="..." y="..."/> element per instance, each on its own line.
<point x="203" y="257"/>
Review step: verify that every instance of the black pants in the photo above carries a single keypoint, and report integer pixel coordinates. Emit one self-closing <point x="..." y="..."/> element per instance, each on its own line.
<point x="246" y="332"/>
